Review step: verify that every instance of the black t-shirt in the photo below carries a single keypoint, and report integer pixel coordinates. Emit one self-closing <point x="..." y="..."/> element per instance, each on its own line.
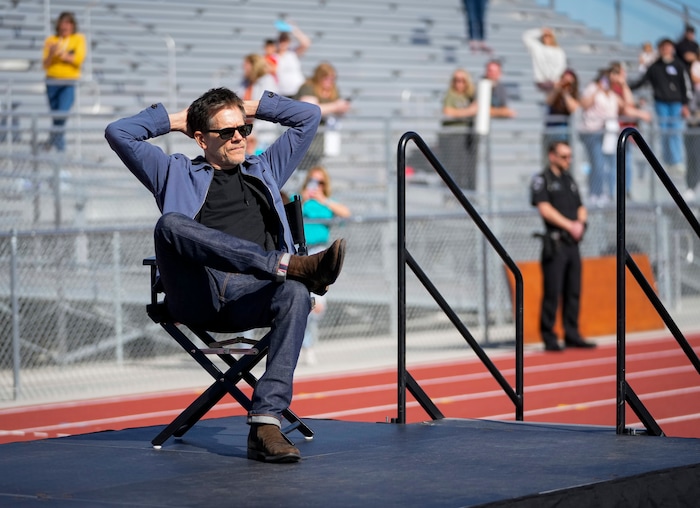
<point x="234" y="207"/>
<point x="560" y="191"/>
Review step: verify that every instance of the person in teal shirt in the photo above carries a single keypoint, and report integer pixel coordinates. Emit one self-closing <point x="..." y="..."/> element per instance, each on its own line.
<point x="317" y="204"/>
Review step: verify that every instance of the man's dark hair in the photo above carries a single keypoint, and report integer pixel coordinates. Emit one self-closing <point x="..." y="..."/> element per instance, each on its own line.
<point x="554" y="144"/>
<point x="205" y="107"/>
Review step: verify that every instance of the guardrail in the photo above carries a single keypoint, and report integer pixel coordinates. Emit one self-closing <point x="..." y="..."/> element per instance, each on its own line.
<point x="625" y="392"/>
<point x="405" y="380"/>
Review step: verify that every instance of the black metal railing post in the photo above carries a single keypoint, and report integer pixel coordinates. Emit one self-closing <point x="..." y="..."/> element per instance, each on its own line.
<point x="625" y="394"/>
<point x="405" y="380"/>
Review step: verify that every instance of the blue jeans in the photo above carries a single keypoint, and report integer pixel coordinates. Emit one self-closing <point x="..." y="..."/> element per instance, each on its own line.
<point x="476" y="11"/>
<point x="671" y="124"/>
<point x="61" y="97"/>
<point x="222" y="283"/>
<point x="602" y="173"/>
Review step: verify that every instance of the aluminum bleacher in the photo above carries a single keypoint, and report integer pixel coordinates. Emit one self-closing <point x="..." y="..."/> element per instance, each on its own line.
<point x="393" y="58"/>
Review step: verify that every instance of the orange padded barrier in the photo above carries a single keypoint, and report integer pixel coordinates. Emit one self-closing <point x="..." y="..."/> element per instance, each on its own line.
<point x="598" y="299"/>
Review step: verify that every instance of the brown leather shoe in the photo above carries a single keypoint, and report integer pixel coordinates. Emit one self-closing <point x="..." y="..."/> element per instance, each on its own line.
<point x="267" y="444"/>
<point x="318" y="271"/>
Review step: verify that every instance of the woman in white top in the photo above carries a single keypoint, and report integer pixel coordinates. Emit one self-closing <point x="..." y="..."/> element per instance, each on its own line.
<point x="289" y="74"/>
<point x="599" y="130"/>
<point x="548" y="58"/>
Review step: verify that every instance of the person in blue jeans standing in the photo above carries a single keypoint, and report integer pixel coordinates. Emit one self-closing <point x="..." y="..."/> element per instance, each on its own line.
<point x="670" y="83"/>
<point x="598" y="131"/>
<point x="223" y="244"/>
<point x="475" y="11"/>
<point x="63" y="56"/>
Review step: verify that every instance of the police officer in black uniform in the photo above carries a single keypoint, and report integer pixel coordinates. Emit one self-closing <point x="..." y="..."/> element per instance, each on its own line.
<point x="556" y="196"/>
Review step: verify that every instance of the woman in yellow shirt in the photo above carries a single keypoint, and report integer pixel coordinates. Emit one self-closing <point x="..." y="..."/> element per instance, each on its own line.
<point x="64" y="54"/>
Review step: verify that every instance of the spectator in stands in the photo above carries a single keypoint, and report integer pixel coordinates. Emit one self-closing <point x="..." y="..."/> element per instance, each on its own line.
<point x="459" y="104"/>
<point x="562" y="102"/>
<point x="317" y="204"/>
<point x="321" y="89"/>
<point x="459" y="149"/>
<point x="692" y="134"/>
<point x="63" y="56"/>
<point x="475" y="11"/>
<point x="632" y="111"/>
<point x="687" y="46"/>
<point x="270" y="53"/>
<point x="499" y="94"/>
<point x="548" y="58"/>
<point x="289" y="74"/>
<point x="256" y="80"/>
<point x="223" y="244"/>
<point x="692" y="150"/>
<point x="695" y="77"/>
<point x="256" y="77"/>
<point x="555" y="194"/>
<point x="630" y="114"/>
<point x="669" y="82"/>
<point x="599" y="130"/>
<point x="646" y="57"/>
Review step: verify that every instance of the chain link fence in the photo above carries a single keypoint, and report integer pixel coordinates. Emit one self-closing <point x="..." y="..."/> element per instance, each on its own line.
<point x="72" y="303"/>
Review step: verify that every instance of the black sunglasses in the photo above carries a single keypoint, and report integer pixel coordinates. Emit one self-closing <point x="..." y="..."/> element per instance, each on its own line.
<point x="227" y="133"/>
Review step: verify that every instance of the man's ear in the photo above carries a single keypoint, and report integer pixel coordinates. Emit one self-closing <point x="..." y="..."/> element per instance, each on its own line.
<point x="199" y="138"/>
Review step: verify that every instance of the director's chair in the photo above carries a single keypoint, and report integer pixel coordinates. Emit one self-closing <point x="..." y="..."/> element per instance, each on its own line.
<point x="251" y="352"/>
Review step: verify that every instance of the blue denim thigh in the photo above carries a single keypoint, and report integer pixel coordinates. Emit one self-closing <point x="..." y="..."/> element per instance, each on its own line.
<point x="195" y="261"/>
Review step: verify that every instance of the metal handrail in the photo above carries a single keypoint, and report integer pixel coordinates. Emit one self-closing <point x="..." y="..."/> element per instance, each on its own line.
<point x="625" y="393"/>
<point x="405" y="380"/>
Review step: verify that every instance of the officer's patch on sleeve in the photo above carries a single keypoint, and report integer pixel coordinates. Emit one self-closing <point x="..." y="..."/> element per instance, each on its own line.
<point x="537" y="183"/>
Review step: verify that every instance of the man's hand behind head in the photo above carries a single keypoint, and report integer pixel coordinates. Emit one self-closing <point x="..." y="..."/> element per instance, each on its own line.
<point x="178" y="122"/>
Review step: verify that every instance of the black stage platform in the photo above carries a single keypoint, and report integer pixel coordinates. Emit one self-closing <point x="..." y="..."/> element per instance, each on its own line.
<point x="448" y="463"/>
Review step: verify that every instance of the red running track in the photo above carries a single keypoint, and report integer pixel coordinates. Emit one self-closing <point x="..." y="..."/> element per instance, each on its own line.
<point x="574" y="387"/>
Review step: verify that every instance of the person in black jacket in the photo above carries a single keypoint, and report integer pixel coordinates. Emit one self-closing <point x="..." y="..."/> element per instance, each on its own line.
<point x="687" y="46"/>
<point x="671" y="87"/>
<point x="555" y="194"/>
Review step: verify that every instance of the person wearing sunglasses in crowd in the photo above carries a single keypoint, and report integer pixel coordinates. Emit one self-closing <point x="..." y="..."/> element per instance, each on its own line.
<point x="223" y="243"/>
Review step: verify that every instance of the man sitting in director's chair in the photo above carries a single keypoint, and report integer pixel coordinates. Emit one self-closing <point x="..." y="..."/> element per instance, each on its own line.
<point x="223" y="244"/>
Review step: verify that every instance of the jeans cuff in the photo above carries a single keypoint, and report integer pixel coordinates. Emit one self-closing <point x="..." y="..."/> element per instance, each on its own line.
<point x="282" y="265"/>
<point x="264" y="419"/>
